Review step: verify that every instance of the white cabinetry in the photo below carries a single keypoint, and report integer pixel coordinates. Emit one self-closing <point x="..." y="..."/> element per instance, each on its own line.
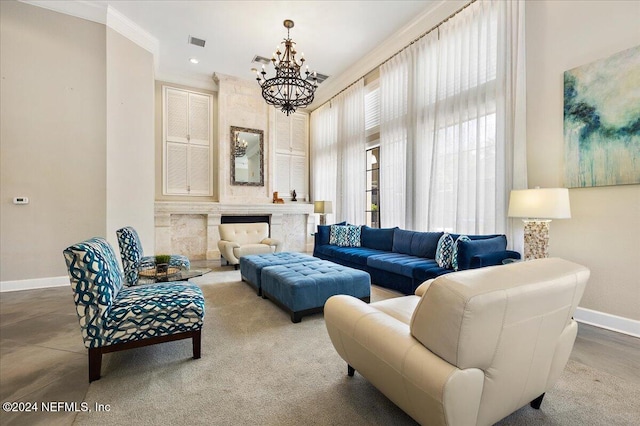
<point x="292" y="154"/>
<point x="187" y="142"/>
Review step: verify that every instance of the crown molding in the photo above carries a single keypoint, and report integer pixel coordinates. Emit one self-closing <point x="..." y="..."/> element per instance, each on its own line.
<point x="88" y="10"/>
<point x="125" y="26"/>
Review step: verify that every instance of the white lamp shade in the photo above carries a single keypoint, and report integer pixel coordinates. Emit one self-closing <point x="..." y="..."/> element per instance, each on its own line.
<point x="540" y="203"/>
<point x="323" y="207"/>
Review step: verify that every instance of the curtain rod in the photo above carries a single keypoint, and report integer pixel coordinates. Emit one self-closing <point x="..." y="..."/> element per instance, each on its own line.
<point x="403" y="49"/>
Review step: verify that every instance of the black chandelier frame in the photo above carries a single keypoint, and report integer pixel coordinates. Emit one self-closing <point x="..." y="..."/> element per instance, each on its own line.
<point x="288" y="90"/>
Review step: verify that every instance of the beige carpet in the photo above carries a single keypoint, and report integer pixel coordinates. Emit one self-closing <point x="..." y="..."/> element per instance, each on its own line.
<point x="258" y="368"/>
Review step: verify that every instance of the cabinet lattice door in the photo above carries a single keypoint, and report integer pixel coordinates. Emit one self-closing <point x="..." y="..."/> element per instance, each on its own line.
<point x="187" y="134"/>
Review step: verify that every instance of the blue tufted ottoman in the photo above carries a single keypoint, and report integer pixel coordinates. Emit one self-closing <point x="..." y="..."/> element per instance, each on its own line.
<point x="303" y="288"/>
<point x="251" y="266"/>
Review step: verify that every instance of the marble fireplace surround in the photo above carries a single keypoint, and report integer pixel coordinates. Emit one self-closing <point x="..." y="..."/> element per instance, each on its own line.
<point x="191" y="228"/>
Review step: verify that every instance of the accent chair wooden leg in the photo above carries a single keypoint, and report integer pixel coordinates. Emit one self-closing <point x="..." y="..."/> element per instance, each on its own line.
<point x="196" y="341"/>
<point x="350" y="370"/>
<point x="95" y="363"/>
<point x="536" y="403"/>
<point x="235" y="267"/>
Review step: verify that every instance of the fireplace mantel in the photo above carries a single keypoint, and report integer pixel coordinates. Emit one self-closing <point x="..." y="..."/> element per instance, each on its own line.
<point x="191" y="228"/>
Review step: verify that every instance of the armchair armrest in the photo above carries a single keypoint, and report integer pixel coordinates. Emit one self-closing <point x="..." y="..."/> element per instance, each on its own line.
<point x="226" y="250"/>
<point x="382" y="349"/>
<point x="273" y="242"/>
<point x="490" y="259"/>
<point x="422" y="288"/>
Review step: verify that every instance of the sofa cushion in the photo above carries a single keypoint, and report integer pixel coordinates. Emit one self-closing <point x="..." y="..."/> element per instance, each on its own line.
<point x="454" y="254"/>
<point x="468" y="249"/>
<point x="402" y="241"/>
<point x="424" y="244"/>
<point x="444" y="250"/>
<point x="399" y="263"/>
<point x="323" y="233"/>
<point x="354" y="255"/>
<point x="427" y="270"/>
<point x="379" y="239"/>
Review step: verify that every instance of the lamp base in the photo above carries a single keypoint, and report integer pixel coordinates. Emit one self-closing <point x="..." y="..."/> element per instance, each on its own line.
<point x="323" y="219"/>
<point x="536" y="239"/>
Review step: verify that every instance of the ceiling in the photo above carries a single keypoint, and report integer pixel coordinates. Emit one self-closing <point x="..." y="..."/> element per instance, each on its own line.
<point x="333" y="35"/>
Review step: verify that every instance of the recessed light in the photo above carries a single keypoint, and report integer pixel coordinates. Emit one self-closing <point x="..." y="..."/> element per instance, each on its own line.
<point x="194" y="60"/>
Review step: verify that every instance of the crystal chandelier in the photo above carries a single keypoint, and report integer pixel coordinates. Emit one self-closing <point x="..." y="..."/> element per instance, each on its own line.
<point x="288" y="90"/>
<point x="240" y="148"/>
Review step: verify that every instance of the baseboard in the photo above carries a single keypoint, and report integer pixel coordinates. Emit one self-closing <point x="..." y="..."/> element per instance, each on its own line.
<point x="34" y="283"/>
<point x="608" y="321"/>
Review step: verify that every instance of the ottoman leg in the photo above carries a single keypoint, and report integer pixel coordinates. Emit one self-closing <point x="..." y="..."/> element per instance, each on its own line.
<point x="296" y="317"/>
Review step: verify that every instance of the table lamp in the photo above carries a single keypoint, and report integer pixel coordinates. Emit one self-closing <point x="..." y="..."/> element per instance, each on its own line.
<point x="537" y="207"/>
<point x="324" y="208"/>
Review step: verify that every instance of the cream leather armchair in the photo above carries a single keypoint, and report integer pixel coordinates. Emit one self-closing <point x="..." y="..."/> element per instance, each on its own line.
<point x="475" y="347"/>
<point x="241" y="239"/>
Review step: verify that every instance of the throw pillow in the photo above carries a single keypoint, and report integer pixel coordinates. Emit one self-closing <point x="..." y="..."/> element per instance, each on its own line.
<point x="337" y="233"/>
<point x="444" y="249"/>
<point x="454" y="254"/>
<point x="353" y="236"/>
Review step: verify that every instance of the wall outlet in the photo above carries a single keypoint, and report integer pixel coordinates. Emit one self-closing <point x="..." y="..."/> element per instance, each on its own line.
<point x="20" y="200"/>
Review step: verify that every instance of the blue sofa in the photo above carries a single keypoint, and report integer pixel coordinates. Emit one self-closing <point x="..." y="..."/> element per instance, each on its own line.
<point x="402" y="260"/>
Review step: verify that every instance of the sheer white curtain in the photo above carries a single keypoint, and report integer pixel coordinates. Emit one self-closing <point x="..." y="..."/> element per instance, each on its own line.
<point x="462" y="136"/>
<point x="338" y="154"/>
<point x="350" y="201"/>
<point x="324" y="154"/>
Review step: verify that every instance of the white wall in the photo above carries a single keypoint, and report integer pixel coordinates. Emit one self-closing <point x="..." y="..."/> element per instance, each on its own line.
<point x="76" y="134"/>
<point x="604" y="230"/>
<point x="52" y="138"/>
<point x="130" y="159"/>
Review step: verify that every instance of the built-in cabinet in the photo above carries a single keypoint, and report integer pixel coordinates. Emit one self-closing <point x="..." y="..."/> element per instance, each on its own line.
<point x="187" y="142"/>
<point x="291" y="136"/>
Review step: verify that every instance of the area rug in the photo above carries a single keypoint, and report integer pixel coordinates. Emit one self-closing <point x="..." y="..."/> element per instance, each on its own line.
<point x="258" y="368"/>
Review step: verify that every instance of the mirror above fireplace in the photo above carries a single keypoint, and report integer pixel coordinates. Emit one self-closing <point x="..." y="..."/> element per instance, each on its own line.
<point x="247" y="156"/>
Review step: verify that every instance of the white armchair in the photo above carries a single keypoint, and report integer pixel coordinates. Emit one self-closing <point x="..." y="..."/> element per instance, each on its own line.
<point x="241" y="239"/>
<point x="475" y="347"/>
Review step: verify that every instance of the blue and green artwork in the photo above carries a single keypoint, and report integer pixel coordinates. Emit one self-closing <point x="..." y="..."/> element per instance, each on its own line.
<point x="602" y="121"/>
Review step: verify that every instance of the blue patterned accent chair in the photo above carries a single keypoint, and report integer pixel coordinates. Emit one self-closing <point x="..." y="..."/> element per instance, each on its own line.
<point x="114" y="318"/>
<point x="134" y="260"/>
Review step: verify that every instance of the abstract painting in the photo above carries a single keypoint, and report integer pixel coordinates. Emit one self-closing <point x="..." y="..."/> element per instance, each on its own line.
<point x="602" y="122"/>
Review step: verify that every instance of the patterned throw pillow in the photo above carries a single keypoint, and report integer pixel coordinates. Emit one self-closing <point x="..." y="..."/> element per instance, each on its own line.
<point x="454" y="255"/>
<point x="353" y="236"/>
<point x="337" y="234"/>
<point x="345" y="236"/>
<point x="444" y="250"/>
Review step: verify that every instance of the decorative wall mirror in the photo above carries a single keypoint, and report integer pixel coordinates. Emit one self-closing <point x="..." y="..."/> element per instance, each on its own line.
<point x="247" y="156"/>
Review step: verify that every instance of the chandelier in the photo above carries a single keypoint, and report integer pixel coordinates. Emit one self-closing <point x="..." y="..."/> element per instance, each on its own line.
<point x="288" y="90"/>
<point x="240" y="147"/>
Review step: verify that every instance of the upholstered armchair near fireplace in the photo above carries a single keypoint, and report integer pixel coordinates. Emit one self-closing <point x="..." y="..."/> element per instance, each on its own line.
<point x="134" y="260"/>
<point x="114" y="317"/>
<point x="241" y="239"/>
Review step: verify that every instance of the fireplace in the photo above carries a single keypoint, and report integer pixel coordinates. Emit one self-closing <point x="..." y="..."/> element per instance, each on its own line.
<point x="247" y="219"/>
<point x="179" y="225"/>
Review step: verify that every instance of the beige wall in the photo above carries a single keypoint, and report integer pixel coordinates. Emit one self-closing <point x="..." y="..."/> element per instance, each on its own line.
<point x="159" y="149"/>
<point x="240" y="104"/>
<point x="52" y="137"/>
<point x="130" y="144"/>
<point x="604" y="230"/>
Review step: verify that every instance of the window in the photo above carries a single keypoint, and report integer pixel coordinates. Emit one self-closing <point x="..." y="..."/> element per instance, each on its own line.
<point x="372" y="199"/>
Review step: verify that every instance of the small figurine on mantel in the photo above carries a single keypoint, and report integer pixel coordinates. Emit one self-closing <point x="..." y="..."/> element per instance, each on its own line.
<point x="277" y="200"/>
<point x="294" y="195"/>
